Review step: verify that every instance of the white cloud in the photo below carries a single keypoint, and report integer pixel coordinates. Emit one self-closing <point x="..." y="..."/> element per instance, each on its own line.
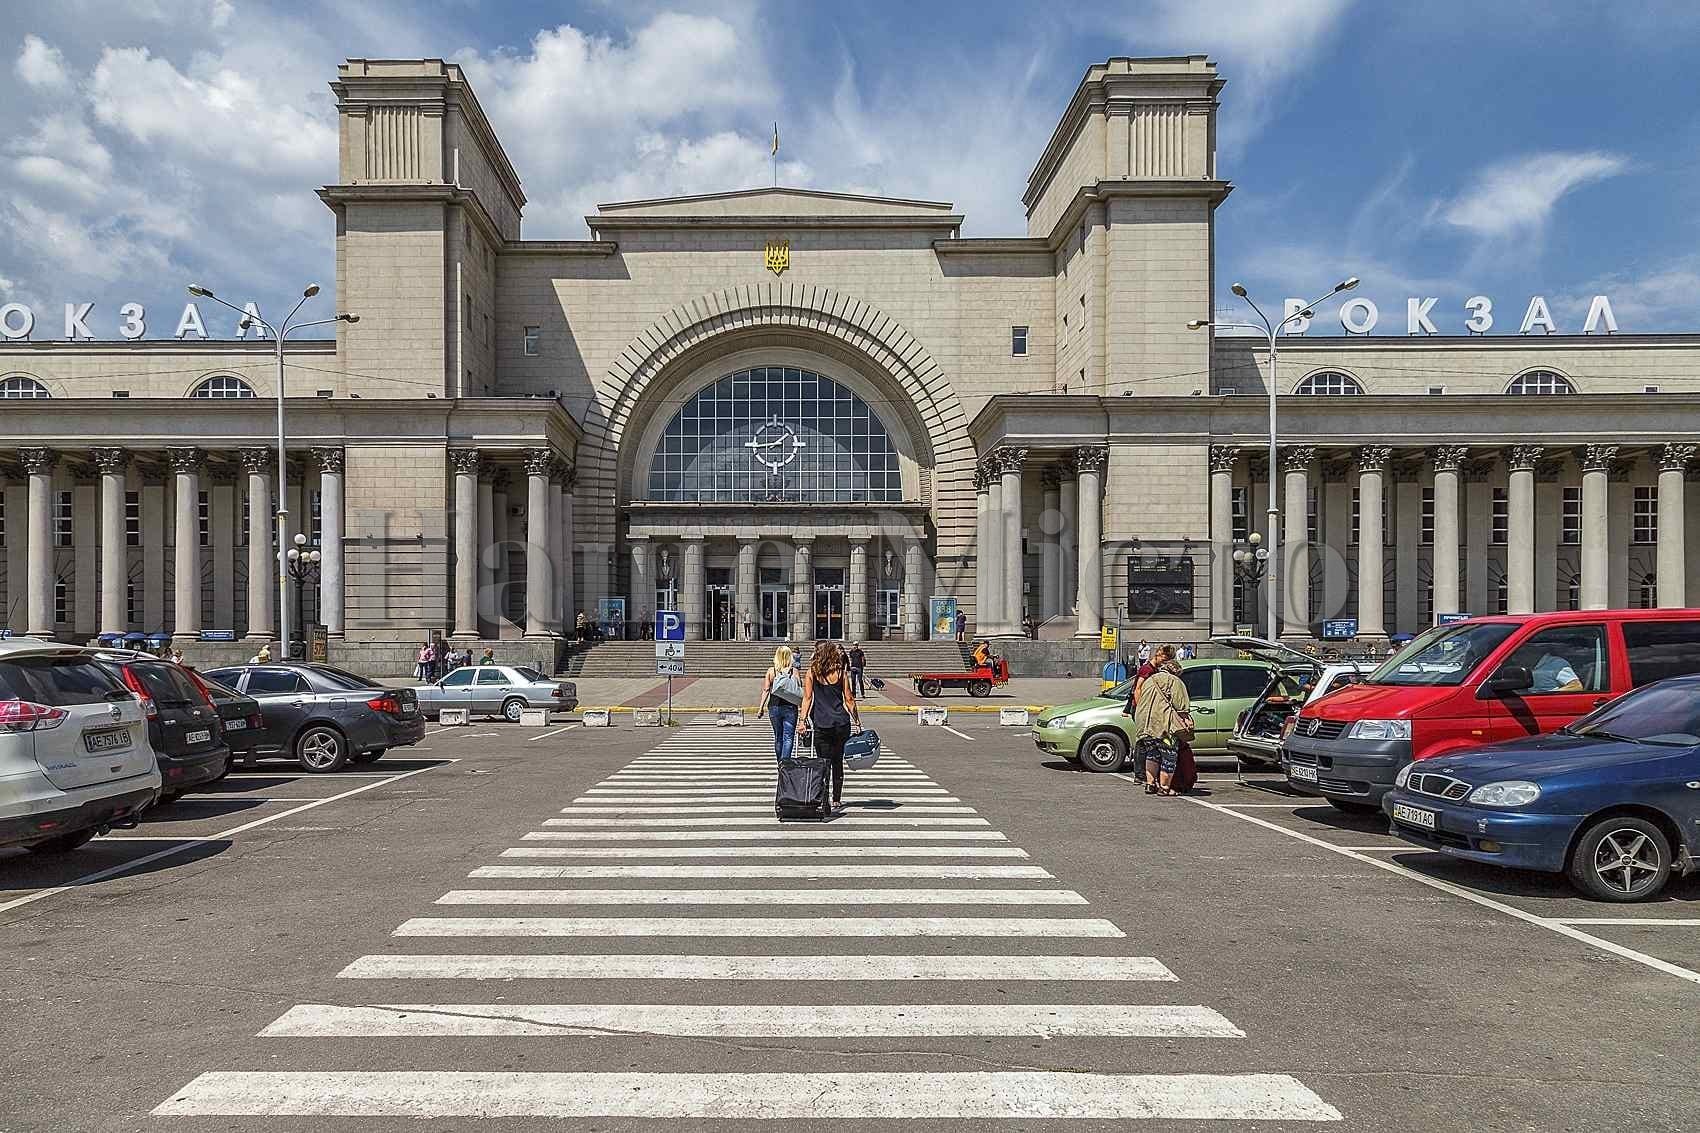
<point x="41" y="65"/>
<point x="1665" y="297"/>
<point x="1517" y="196"/>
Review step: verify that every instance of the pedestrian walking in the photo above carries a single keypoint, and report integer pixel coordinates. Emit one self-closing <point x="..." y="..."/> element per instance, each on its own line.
<point x="961" y="627"/>
<point x="781" y="694"/>
<point x="422" y="663"/>
<point x="1162" y="722"/>
<point x="1144" y="652"/>
<point x="829" y="710"/>
<point x="858" y="665"/>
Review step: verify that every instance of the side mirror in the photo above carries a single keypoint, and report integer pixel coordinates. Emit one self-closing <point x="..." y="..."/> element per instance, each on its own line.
<point x="1507" y="680"/>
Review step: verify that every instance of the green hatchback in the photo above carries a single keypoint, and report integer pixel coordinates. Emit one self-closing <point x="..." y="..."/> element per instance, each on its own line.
<point x="1095" y="733"/>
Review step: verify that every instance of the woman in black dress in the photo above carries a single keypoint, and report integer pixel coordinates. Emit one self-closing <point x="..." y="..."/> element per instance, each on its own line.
<point x="829" y="708"/>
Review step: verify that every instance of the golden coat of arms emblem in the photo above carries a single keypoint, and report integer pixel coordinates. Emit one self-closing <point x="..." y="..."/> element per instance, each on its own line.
<point x="777" y="256"/>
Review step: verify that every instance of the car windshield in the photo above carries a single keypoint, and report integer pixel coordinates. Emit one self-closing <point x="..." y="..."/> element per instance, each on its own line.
<point x="1663" y="714"/>
<point x="1443" y="656"/>
<point x="340" y="678"/>
<point x="1118" y="692"/>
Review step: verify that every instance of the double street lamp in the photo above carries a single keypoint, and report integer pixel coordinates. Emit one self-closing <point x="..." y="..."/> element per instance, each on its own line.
<point x="303" y="564"/>
<point x="1271" y="333"/>
<point x="279" y="333"/>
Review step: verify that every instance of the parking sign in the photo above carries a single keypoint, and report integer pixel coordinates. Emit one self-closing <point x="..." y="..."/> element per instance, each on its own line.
<point x="669" y="625"/>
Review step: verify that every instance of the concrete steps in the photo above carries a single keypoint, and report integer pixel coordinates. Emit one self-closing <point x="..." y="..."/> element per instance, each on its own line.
<point x="747" y="658"/>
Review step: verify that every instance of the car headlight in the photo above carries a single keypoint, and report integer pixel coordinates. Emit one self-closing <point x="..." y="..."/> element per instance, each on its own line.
<point x="1056" y="721"/>
<point x="1380" y="730"/>
<point x="1404" y="775"/>
<point x="1513" y="792"/>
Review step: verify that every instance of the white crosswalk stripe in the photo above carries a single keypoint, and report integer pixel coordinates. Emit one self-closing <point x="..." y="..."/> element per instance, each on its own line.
<point x="688" y="829"/>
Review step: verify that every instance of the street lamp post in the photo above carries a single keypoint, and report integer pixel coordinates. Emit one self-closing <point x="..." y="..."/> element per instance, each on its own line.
<point x="1251" y="562"/>
<point x="279" y="333"/>
<point x="1271" y="332"/>
<point x="303" y="564"/>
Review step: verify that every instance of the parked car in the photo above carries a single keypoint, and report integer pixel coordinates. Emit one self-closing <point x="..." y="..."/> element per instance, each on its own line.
<point x="1474" y="682"/>
<point x="1296" y="679"/>
<point x="1611" y="801"/>
<point x="244" y="724"/>
<point x="74" y="753"/>
<point x="1096" y="734"/>
<point x="496" y="690"/>
<point x="183" y="723"/>
<point x="325" y="717"/>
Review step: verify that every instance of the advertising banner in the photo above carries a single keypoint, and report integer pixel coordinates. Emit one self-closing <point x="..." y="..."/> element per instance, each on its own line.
<point x="941" y="617"/>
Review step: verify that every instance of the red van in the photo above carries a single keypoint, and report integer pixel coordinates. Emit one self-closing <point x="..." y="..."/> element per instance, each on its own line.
<point x="1479" y="681"/>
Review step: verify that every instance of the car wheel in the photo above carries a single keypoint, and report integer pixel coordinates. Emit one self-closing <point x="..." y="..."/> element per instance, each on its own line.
<point x="511" y="708"/>
<point x="929" y="688"/>
<point x="1621" y="859"/>
<point x="321" y="749"/>
<point x="372" y="756"/>
<point x="1103" y="751"/>
<point x="1352" y="806"/>
<point x="64" y="843"/>
<point x="980" y="688"/>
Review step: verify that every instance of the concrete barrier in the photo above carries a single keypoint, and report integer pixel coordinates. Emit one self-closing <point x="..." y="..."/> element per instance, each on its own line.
<point x="1013" y="718"/>
<point x="646" y="717"/>
<point x="534" y="717"/>
<point x="597" y="718"/>
<point x="452" y="717"/>
<point x="932" y="715"/>
<point x="729" y="717"/>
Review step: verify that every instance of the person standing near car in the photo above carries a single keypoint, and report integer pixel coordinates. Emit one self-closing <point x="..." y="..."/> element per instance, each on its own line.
<point x="781" y="693"/>
<point x="858" y="665"/>
<point x="1162" y="721"/>
<point x="829" y="710"/>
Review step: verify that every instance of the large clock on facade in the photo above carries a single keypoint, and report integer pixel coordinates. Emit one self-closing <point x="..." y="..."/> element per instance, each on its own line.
<point x="774" y="445"/>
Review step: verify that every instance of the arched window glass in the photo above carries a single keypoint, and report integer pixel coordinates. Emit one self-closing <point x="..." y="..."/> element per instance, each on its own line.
<point x="223" y="385"/>
<point x="21" y="385"/>
<point x="1540" y="382"/>
<point x="774" y="433"/>
<point x="1327" y="383"/>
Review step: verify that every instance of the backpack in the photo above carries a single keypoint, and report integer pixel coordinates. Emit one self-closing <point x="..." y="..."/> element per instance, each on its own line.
<point x="787" y="686"/>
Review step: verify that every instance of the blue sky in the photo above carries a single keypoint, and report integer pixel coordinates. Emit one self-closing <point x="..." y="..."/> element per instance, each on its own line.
<point x="1432" y="149"/>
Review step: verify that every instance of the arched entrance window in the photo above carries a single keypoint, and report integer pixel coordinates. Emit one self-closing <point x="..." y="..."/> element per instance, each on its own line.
<point x="775" y="434"/>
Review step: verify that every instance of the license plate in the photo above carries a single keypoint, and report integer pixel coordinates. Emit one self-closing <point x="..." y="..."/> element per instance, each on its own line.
<point x="199" y="737"/>
<point x="235" y="725"/>
<point x="112" y="739"/>
<point x="1301" y="774"/>
<point x="408" y="708"/>
<point x="1415" y="816"/>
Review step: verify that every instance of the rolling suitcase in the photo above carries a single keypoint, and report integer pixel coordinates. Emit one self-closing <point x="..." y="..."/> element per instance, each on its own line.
<point x="804" y="791"/>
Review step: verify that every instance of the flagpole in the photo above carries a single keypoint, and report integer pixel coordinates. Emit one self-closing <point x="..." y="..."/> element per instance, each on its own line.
<point x="776" y="155"/>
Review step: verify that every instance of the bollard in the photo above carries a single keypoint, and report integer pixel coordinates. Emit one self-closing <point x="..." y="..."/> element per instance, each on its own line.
<point x="597" y="718"/>
<point x="932" y="715"/>
<point x="1013" y="718"/>
<point x="452" y="717"/>
<point x="729" y="718"/>
<point x="646" y="717"/>
<point x="534" y="717"/>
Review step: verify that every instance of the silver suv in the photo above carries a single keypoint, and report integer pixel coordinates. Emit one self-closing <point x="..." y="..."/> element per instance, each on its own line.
<point x="74" y="753"/>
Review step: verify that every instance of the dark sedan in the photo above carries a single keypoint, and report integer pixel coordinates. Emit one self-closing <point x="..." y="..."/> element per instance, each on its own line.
<point x="244" y="725"/>
<point x="183" y="723"/>
<point x="1610" y="801"/>
<point x="325" y="717"/>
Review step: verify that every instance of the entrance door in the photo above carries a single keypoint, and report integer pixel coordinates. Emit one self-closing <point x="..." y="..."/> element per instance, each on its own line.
<point x="720" y="627"/>
<point x="775" y="614"/>
<point x="666" y="596"/>
<point x="829" y="613"/>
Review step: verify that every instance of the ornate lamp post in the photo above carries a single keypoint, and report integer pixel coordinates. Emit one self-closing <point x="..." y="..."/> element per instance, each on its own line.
<point x="302" y="565"/>
<point x="1251" y="563"/>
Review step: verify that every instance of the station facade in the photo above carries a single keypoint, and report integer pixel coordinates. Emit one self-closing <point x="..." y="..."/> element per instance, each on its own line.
<point x="796" y="414"/>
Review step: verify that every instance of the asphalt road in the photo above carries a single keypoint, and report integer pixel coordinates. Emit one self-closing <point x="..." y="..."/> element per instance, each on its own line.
<point x="988" y="940"/>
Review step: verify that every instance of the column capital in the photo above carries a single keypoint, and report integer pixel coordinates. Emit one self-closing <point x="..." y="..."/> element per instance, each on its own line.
<point x="83" y="470"/>
<point x="153" y="474"/>
<point x="110" y="461"/>
<point x="329" y="459"/>
<point x="1676" y="457"/>
<point x="465" y="461"/>
<point x="37" y="460"/>
<point x="1297" y="458"/>
<point x="186" y="461"/>
<point x="1450" y="458"/>
<point x="1597" y="458"/>
<point x="1224" y="458"/>
<point x="564" y="472"/>
<point x="1009" y="459"/>
<point x="1051" y="478"/>
<point x="1334" y="467"/>
<point x="1523" y="458"/>
<point x="255" y="461"/>
<point x="1406" y="470"/>
<point x="1374" y="458"/>
<point x="982" y="475"/>
<point x="1478" y="471"/>
<point x="1091" y="458"/>
<point x="538" y="460"/>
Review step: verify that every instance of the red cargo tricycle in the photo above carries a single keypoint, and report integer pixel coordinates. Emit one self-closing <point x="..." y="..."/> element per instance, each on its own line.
<point x="978" y="681"/>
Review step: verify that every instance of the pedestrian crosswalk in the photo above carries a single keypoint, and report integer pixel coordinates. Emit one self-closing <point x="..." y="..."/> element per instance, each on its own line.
<point x="666" y="904"/>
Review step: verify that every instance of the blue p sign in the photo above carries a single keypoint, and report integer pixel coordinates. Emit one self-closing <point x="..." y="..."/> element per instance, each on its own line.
<point x="669" y="625"/>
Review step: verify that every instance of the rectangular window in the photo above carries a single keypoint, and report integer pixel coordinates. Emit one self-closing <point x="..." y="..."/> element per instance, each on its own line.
<point x="1242" y="514"/>
<point x="1502" y="596"/>
<point x="132" y="604"/>
<point x="1018" y="340"/>
<point x="61" y="601"/>
<point x="1428" y="601"/>
<point x="62" y="519"/>
<point x="885" y="608"/>
<point x="2" y="518"/>
<point x="1427" y="537"/>
<point x="1501" y="521"/>
<point x="533" y="336"/>
<point x="1313" y="522"/>
<point x="1647" y="594"/>
<point x="132" y="519"/>
<point x="1645" y="516"/>
<point x="242" y="530"/>
<point x="1658" y="650"/>
<point x="1573" y="593"/>
<point x="1570" y="517"/>
<point x="315" y="517"/>
<point x="203" y="517"/>
<point x="1356" y="505"/>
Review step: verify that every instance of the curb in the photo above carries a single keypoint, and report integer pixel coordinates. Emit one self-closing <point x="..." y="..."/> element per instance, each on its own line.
<point x="907" y="709"/>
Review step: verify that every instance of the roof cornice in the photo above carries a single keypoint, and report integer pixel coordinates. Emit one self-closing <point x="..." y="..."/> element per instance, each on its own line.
<point x="600" y="222"/>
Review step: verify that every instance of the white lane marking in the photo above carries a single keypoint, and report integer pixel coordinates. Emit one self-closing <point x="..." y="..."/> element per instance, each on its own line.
<point x="149" y="859"/>
<point x="147" y="838"/>
<point x="692" y="792"/>
<point x="802" y="871"/>
<point x="764" y="852"/>
<point x="546" y="735"/>
<point x="824" y="832"/>
<point x="1636" y="922"/>
<point x="819" y="897"/>
<point x="954" y="732"/>
<point x="804" y="1096"/>
<point x="615" y="1020"/>
<point x="1268" y="806"/>
<point x="479" y="735"/>
<point x="1458" y="891"/>
<point x="860" y="819"/>
<point x="663" y="966"/>
<point x="756" y="808"/>
<point x="748" y="927"/>
<point x="1403" y="846"/>
<point x="752" y="797"/>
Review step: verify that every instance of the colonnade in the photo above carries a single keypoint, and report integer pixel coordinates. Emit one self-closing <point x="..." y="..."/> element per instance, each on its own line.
<point x="1071" y="560"/>
<point x="482" y="487"/>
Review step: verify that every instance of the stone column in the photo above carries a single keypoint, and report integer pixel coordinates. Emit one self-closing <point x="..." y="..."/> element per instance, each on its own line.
<point x="692" y="586"/>
<point x="856" y="594"/>
<point x="1295" y="554"/>
<point x="1050" y="546"/>
<point x="223" y="498"/>
<point x="538" y="583"/>
<point x="640" y="598"/>
<point x="256" y="463"/>
<point x="1068" y="567"/>
<point x="153" y="546"/>
<point x="331" y="528"/>
<point x="1520" y="460"/>
<point x="564" y="531"/>
<point x="38" y="464"/>
<point x="1448" y="462"/>
<point x="186" y="469"/>
<point x="1672" y="562"/>
<point x="749" y="601"/>
<point x="1223" y="458"/>
<point x="992" y="615"/>
<point x="485" y="596"/>
<point x="914" y="589"/>
<point x="1372" y="468"/>
<point x="501" y="480"/>
<point x="802" y="591"/>
<point x="982" y="564"/>
<point x="1010" y="461"/>
<point x="1596" y="462"/>
<point x="112" y="463"/>
<point x="1091" y="462"/>
<point x="465" y="462"/>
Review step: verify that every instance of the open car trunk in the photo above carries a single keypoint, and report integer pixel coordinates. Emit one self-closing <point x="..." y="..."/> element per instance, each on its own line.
<point x="1258" y="731"/>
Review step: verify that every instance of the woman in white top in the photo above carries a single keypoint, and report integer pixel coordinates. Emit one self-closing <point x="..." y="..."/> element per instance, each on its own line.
<point x="781" y="693"/>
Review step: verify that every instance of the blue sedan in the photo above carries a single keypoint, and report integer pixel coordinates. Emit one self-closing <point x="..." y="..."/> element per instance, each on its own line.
<point x="1608" y="801"/>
